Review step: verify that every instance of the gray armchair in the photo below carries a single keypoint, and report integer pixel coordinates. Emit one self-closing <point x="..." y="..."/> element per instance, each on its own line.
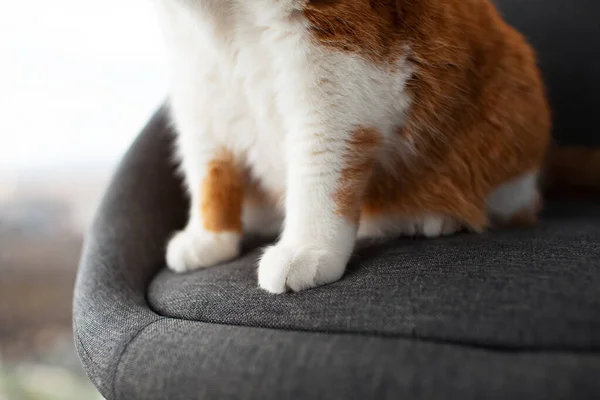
<point x="505" y="315"/>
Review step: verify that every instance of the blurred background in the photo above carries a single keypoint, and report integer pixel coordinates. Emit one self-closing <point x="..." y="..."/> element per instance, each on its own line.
<point x="78" y="79"/>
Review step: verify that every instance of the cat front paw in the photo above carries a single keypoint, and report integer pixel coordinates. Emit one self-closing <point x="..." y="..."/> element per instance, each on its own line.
<point x="193" y="249"/>
<point x="298" y="268"/>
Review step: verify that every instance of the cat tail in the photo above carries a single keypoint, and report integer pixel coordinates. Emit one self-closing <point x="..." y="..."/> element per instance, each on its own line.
<point x="572" y="172"/>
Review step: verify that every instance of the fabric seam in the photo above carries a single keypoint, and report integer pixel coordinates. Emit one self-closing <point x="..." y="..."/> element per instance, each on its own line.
<point x="122" y="353"/>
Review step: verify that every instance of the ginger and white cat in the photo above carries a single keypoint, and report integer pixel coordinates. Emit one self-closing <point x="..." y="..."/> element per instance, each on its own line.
<point x="332" y="120"/>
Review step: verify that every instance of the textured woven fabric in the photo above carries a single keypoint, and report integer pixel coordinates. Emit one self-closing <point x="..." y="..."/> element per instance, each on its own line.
<point x="123" y="251"/>
<point x="132" y="352"/>
<point x="531" y="288"/>
<point x="511" y="314"/>
<point x="183" y="360"/>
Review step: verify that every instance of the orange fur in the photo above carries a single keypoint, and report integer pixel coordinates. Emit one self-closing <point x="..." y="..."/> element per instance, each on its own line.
<point x="418" y="117"/>
<point x="222" y="196"/>
<point x="361" y="156"/>
<point x="368" y="28"/>
<point x="479" y="115"/>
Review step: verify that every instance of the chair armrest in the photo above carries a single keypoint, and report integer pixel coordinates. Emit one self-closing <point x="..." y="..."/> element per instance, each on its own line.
<point x="124" y="249"/>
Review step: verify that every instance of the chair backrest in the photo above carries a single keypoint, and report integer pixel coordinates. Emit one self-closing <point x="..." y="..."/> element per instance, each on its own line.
<point x="566" y="36"/>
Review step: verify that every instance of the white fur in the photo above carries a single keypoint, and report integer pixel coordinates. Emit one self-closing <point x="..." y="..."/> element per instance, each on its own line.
<point x="389" y="225"/>
<point x="247" y="76"/>
<point x="513" y="197"/>
<point x="503" y="203"/>
<point x="195" y="248"/>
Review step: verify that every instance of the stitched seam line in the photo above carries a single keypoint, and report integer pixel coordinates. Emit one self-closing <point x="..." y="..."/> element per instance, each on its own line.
<point x="86" y="353"/>
<point x="125" y="347"/>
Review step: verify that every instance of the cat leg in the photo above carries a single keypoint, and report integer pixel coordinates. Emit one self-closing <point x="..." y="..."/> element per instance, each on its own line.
<point x="327" y="174"/>
<point x="214" y="230"/>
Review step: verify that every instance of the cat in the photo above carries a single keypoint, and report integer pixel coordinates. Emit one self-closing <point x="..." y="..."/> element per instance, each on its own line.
<point x="328" y="121"/>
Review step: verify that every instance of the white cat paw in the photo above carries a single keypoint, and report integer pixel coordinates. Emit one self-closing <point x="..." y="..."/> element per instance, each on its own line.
<point x="193" y="249"/>
<point x="434" y="226"/>
<point x="297" y="268"/>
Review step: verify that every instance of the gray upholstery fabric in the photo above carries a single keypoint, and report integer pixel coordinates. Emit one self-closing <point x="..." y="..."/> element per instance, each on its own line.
<point x="511" y="314"/>
<point x="532" y="288"/>
<point x="132" y="352"/>
<point x="180" y="360"/>
<point x="123" y="251"/>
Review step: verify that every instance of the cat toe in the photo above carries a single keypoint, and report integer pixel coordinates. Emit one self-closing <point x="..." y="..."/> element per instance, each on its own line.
<point x="288" y="268"/>
<point x="193" y="249"/>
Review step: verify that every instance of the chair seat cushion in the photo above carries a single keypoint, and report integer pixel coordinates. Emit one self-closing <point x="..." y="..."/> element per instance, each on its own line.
<point x="536" y="288"/>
